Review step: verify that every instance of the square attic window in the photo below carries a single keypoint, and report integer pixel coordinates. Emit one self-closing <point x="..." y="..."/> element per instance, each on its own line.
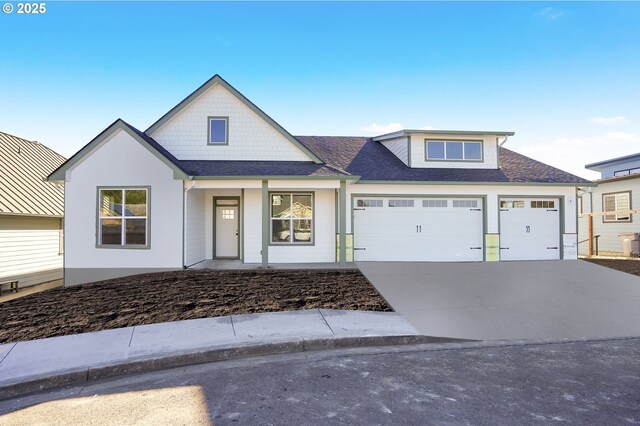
<point x="218" y="131"/>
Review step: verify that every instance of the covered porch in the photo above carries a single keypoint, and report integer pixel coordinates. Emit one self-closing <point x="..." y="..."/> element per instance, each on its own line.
<point x="258" y="223"/>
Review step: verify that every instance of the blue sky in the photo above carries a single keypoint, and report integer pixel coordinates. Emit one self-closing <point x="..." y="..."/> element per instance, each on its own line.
<point x="563" y="76"/>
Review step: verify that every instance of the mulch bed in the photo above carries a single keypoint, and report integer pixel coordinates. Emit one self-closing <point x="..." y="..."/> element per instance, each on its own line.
<point x="182" y="295"/>
<point x="629" y="266"/>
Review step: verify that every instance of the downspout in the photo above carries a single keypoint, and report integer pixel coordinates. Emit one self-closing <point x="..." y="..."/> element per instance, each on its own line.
<point x="184" y="224"/>
<point x="506" y="137"/>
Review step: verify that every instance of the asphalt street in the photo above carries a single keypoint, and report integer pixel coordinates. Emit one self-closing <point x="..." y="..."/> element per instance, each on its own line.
<point x="592" y="382"/>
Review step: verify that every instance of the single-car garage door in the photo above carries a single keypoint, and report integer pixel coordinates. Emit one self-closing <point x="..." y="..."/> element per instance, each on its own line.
<point x="418" y="229"/>
<point x="529" y="228"/>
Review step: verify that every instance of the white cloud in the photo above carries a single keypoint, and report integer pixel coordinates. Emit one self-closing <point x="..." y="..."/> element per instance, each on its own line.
<point x="550" y="13"/>
<point x="610" y="121"/>
<point x="381" y="129"/>
<point x="427" y="128"/>
<point x="622" y="137"/>
<point x="571" y="154"/>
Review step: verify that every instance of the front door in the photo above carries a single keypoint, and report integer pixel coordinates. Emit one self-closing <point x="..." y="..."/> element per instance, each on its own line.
<point x="226" y="231"/>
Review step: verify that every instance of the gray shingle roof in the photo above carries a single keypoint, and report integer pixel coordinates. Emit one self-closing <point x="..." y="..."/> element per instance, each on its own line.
<point x="257" y="168"/>
<point x="363" y="157"/>
<point x="25" y="165"/>
<point x="370" y="160"/>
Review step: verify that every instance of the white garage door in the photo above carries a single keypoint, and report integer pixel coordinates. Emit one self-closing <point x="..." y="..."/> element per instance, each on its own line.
<point x="529" y="228"/>
<point x="418" y="229"/>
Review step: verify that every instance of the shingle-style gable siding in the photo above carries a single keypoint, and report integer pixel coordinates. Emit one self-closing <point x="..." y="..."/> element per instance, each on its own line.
<point x="399" y="147"/>
<point x="250" y="137"/>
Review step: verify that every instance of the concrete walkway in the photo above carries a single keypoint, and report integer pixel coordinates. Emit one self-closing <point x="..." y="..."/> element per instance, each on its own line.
<point x="38" y="364"/>
<point x="238" y="264"/>
<point x="511" y="300"/>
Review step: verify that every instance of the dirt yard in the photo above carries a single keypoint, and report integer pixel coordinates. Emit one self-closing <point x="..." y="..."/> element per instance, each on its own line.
<point x="629" y="266"/>
<point x="181" y="295"/>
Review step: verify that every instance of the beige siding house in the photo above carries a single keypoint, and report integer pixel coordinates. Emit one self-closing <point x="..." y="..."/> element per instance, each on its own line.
<point x="31" y="212"/>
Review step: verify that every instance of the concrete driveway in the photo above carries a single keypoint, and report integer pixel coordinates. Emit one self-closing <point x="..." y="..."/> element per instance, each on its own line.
<point x="511" y="300"/>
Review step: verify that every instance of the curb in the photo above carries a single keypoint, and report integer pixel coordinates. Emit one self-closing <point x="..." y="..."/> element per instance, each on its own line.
<point x="85" y="374"/>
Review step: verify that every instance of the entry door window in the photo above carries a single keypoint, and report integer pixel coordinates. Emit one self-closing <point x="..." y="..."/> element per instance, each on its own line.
<point x="228" y="214"/>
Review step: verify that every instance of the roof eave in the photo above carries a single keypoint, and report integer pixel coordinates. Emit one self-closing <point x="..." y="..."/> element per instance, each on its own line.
<point x="597" y="165"/>
<point x="406" y="132"/>
<point x="276" y="177"/>
<point x="433" y="182"/>
<point x="59" y="175"/>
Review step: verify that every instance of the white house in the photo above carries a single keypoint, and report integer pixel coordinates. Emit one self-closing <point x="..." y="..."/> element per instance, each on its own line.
<point x="217" y="178"/>
<point x="610" y="206"/>
<point x="31" y="212"/>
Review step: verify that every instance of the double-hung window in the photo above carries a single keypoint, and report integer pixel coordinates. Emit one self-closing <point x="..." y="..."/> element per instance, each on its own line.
<point x="618" y="204"/>
<point x="123" y="217"/>
<point x="291" y="218"/>
<point x="453" y="150"/>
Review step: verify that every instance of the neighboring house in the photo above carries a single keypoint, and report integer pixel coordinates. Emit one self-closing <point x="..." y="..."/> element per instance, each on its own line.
<point x="613" y="205"/>
<point x="31" y="212"/>
<point x="216" y="178"/>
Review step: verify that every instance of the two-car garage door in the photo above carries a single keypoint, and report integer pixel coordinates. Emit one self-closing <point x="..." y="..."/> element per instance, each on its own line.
<point x="418" y="229"/>
<point x="452" y="229"/>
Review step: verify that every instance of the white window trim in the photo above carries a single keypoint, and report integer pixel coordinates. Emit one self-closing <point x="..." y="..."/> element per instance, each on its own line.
<point x="463" y="141"/>
<point x="147" y="218"/>
<point x="292" y="241"/>
<point x="629" y="217"/>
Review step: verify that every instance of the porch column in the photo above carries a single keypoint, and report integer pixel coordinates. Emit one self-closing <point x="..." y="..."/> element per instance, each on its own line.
<point x="265" y="223"/>
<point x="342" y="196"/>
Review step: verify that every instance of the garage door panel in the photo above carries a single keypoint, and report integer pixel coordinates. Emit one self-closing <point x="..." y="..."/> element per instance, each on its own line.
<point x="529" y="233"/>
<point x="418" y="233"/>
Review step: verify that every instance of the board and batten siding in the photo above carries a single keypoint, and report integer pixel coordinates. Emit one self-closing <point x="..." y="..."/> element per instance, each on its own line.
<point x="120" y="161"/>
<point x="609" y="240"/>
<point x="195" y="241"/>
<point x="30" y="249"/>
<point x="252" y="226"/>
<point x="210" y="212"/>
<point x="250" y="137"/>
<point x="399" y="147"/>
<point x="489" y="145"/>
<point x="324" y="247"/>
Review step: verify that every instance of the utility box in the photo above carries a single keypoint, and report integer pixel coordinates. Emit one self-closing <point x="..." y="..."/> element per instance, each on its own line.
<point x="630" y="243"/>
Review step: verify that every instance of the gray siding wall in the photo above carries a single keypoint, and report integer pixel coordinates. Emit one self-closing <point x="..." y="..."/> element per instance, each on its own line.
<point x="30" y="249"/>
<point x="609" y="242"/>
<point x="609" y="172"/>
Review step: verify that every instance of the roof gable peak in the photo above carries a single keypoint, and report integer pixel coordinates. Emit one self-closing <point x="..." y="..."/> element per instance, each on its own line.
<point x="218" y="80"/>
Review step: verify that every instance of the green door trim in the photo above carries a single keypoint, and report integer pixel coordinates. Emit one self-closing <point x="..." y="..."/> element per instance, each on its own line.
<point x="237" y="205"/>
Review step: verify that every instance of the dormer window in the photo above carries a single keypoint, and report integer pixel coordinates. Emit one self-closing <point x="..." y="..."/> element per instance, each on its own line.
<point x="453" y="150"/>
<point x="218" y="131"/>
